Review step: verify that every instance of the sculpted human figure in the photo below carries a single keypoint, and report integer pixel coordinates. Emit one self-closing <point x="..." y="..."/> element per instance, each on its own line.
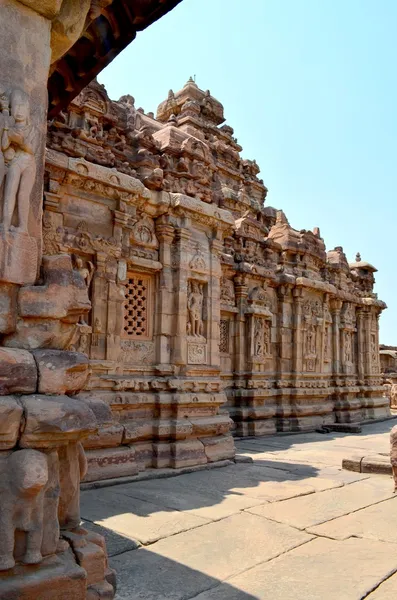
<point x="85" y="272"/>
<point x="4" y="123"/>
<point x="16" y="144"/>
<point x="195" y="307"/>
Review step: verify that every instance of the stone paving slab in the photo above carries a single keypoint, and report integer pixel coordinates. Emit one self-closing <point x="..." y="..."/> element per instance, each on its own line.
<point x="133" y="518"/>
<point x="177" y="493"/>
<point x="386" y="591"/>
<point x="248" y="480"/>
<point x="317" y="508"/>
<point x="373" y="463"/>
<point x="376" y="522"/>
<point x="202" y="557"/>
<point x="320" y="569"/>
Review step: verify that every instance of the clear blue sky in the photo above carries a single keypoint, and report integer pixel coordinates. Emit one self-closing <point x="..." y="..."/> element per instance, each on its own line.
<point x="310" y="88"/>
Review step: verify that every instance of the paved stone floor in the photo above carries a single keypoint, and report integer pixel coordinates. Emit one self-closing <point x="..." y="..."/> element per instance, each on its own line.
<point x="291" y="525"/>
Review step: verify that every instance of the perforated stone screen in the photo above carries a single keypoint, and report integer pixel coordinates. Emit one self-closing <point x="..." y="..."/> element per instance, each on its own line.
<point x="224" y="336"/>
<point x="137" y="306"/>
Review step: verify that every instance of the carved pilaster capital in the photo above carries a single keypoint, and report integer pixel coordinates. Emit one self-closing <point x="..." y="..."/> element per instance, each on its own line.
<point x="165" y="232"/>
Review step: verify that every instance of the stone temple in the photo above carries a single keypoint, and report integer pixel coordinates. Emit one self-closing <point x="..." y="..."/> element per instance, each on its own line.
<point x="211" y="315"/>
<point x="151" y="304"/>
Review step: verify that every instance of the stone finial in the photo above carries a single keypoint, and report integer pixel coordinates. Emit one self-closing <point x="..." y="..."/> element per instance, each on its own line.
<point x="171" y="95"/>
<point x="316" y="231"/>
<point x="358" y="257"/>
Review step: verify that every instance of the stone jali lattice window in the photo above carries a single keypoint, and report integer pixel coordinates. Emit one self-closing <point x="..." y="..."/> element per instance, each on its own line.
<point x="138" y="306"/>
<point x="224" y="336"/>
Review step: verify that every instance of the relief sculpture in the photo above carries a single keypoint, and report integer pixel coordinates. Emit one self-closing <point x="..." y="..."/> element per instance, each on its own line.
<point x="195" y="325"/>
<point x="18" y="163"/>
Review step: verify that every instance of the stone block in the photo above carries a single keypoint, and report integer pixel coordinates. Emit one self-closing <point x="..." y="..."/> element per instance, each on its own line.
<point x="10" y="422"/>
<point x="218" y="448"/>
<point x="60" y="371"/>
<point x="54" y="420"/>
<point x="89" y="556"/>
<point x="100" y="591"/>
<point x="144" y="455"/>
<point x="107" y="436"/>
<point x="8" y="307"/>
<point x="216" y="425"/>
<point x="138" y="429"/>
<point x="108" y="463"/>
<point x="18" y="372"/>
<point x="18" y="258"/>
<point x="162" y="455"/>
<point x="186" y="453"/>
<point x="56" y="577"/>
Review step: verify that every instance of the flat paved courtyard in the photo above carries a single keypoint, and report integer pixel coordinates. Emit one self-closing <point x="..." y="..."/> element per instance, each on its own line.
<point x="290" y="525"/>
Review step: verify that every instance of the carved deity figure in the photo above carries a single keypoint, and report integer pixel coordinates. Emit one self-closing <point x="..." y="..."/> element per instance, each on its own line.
<point x="20" y="162"/>
<point x="4" y="123"/>
<point x="261" y="338"/>
<point x="85" y="272"/>
<point x="195" y="308"/>
<point x="21" y="509"/>
<point x="348" y="347"/>
<point x="327" y="348"/>
<point x="310" y="345"/>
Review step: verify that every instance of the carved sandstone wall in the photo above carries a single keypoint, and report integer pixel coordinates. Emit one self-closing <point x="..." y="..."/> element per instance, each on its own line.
<point x="206" y="304"/>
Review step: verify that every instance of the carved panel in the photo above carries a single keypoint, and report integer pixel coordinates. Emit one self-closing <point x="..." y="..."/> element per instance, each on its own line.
<point x="135" y="352"/>
<point x="138" y="306"/>
<point x="224" y="336"/>
<point x="262" y="332"/>
<point x="196" y="353"/>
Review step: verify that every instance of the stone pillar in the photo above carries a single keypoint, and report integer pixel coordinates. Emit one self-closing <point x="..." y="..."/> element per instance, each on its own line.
<point x="360" y="345"/>
<point x="241" y="291"/>
<point x="297" y="328"/>
<point x="284" y="341"/>
<point x="181" y="282"/>
<point x="336" y="306"/>
<point x="165" y="235"/>
<point x="367" y="318"/>
<point x="216" y="246"/>
<point x="99" y="316"/>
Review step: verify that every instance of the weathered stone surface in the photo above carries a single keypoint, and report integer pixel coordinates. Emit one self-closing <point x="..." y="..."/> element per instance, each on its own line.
<point x="386" y="591"/>
<point x="61" y="372"/>
<point x="56" y="578"/>
<point x="317" y="508"/>
<point x="218" y="448"/>
<point x="193" y="559"/>
<point x="10" y="421"/>
<point x="188" y="452"/>
<point x="111" y="462"/>
<point x="133" y="518"/>
<point x="18" y="372"/>
<point x="115" y="542"/>
<point x="23" y="475"/>
<point x="372" y="523"/>
<point x="50" y="314"/>
<point x="360" y="564"/>
<point x="176" y="493"/>
<point x="54" y="420"/>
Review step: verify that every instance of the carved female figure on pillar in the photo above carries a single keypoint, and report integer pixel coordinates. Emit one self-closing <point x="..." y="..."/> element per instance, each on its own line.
<point x="259" y="337"/>
<point x="195" y="308"/>
<point x="17" y="146"/>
